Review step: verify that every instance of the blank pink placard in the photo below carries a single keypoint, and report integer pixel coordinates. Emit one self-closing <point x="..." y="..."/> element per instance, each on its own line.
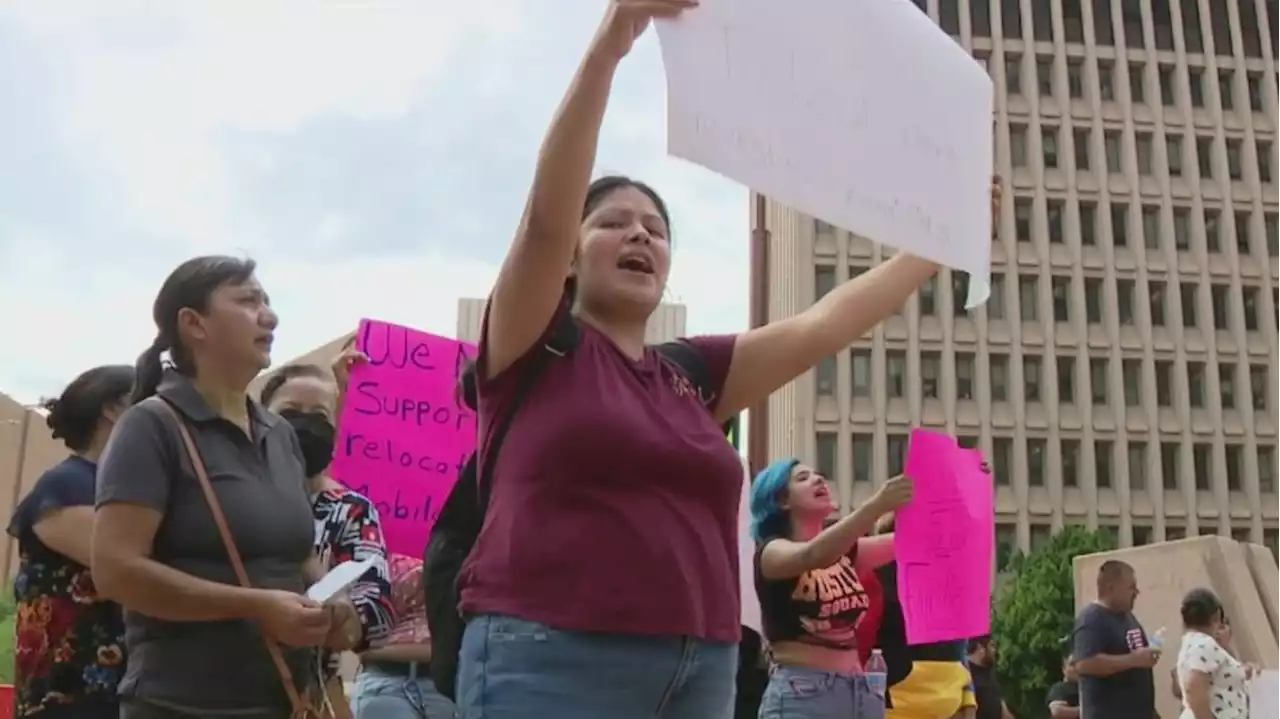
<point x="944" y="541"/>
<point x="404" y="435"/>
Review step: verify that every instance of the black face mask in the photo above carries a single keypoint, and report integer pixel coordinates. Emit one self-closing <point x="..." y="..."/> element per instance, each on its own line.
<point x="315" y="434"/>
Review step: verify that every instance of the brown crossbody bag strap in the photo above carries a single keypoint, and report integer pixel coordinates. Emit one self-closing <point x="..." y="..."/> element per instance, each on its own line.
<point x="299" y="706"/>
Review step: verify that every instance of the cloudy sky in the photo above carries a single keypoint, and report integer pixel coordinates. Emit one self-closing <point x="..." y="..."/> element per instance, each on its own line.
<point x="373" y="156"/>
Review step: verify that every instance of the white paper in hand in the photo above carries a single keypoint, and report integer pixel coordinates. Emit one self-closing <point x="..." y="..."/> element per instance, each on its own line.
<point x="338" y="580"/>
<point x="792" y="99"/>
<point x="1263" y="693"/>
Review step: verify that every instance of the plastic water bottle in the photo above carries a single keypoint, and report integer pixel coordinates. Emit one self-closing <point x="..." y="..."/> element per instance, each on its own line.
<point x="1156" y="641"/>
<point x="877" y="674"/>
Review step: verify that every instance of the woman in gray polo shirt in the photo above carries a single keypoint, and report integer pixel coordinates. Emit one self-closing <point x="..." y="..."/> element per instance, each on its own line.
<point x="197" y="639"/>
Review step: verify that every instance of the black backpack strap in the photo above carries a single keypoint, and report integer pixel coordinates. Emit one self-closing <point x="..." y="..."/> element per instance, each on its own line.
<point x="689" y="361"/>
<point x="560" y="342"/>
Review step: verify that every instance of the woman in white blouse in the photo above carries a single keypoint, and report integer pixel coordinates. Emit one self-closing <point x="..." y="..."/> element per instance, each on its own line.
<point x="1213" y="682"/>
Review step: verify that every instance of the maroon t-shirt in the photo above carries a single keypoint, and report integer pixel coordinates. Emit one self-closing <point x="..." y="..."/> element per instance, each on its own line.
<point x="614" y="505"/>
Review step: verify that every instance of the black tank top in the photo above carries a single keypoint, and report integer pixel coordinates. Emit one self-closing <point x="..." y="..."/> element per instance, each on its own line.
<point x="821" y="606"/>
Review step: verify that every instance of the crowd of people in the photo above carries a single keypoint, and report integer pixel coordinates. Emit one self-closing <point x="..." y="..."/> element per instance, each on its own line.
<point x="164" y="563"/>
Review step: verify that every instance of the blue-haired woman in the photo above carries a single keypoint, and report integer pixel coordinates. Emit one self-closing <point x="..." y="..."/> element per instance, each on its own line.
<point x="811" y="599"/>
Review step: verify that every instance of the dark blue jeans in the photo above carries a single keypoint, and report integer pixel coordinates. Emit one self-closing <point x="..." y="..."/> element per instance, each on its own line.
<point x="515" y="669"/>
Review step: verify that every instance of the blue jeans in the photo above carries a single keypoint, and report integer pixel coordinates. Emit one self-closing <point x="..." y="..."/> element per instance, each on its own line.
<point x="795" y="693"/>
<point x="516" y="669"/>
<point x="379" y="695"/>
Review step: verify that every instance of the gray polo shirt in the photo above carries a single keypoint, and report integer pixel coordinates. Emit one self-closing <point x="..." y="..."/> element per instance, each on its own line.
<point x="212" y="667"/>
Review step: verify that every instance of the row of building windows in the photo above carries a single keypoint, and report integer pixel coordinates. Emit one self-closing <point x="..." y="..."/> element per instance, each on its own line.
<point x="1144" y="145"/>
<point x="1041" y="532"/>
<point x="1218" y="230"/>
<point x="1063" y="310"/>
<point x="1195" y="29"/>
<point x="1182" y="219"/>
<point x="1192" y="380"/>
<point x="1201" y="85"/>
<point x="1103" y="471"/>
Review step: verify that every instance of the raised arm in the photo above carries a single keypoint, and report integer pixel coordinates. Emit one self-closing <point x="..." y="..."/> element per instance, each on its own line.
<point x="768" y="357"/>
<point x="531" y="281"/>
<point x="348" y="357"/>
<point x="785" y="558"/>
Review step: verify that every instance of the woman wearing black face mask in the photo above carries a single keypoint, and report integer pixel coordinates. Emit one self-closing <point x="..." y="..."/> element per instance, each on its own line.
<point x="347" y="527"/>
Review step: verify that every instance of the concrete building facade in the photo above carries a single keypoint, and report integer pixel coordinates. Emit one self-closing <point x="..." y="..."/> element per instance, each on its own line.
<point x="1123" y="373"/>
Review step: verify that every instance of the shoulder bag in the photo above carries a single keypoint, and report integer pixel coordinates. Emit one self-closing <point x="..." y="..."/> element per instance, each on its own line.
<point x="301" y="706"/>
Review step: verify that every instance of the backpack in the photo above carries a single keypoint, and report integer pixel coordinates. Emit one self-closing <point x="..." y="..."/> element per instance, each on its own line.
<point x="462" y="515"/>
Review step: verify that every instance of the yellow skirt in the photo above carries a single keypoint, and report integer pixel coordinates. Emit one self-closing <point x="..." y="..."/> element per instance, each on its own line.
<point x="933" y="690"/>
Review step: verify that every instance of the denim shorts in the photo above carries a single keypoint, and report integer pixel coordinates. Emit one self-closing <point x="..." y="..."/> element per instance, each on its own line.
<point x="517" y="669"/>
<point x="378" y="695"/>
<point x="795" y="693"/>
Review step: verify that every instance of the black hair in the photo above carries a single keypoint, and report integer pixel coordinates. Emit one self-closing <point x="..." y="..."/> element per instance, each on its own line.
<point x="73" y="415"/>
<point x="1111" y="571"/>
<point x="599" y="191"/>
<point x="981" y="642"/>
<point x="467" y="394"/>
<point x="189" y="286"/>
<point x="283" y="375"/>
<point x="1199" y="608"/>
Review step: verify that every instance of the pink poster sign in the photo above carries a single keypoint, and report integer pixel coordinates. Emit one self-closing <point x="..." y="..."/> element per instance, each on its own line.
<point x="944" y="541"/>
<point x="404" y="434"/>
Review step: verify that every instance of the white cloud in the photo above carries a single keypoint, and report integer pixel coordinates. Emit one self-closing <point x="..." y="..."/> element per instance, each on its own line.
<point x="166" y="130"/>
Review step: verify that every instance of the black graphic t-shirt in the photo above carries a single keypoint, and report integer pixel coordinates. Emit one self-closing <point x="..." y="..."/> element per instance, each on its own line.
<point x="1123" y="695"/>
<point x="821" y="606"/>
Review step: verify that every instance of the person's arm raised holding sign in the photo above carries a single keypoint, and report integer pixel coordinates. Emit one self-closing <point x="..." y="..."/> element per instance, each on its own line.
<point x="768" y="357"/>
<point x="530" y="286"/>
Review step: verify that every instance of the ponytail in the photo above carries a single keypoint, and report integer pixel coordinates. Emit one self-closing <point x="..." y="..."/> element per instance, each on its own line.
<point x="148" y="371"/>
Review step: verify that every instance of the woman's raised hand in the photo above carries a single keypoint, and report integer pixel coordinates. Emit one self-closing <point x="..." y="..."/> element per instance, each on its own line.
<point x="342" y="365"/>
<point x="626" y="20"/>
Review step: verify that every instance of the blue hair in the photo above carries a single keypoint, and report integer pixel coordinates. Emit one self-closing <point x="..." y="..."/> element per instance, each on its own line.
<point x="768" y="517"/>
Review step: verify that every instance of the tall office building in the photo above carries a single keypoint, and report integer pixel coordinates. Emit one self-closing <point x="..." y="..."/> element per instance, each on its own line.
<point x="1123" y="373"/>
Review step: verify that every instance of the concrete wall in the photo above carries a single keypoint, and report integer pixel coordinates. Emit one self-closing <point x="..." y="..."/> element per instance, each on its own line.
<point x="1243" y="575"/>
<point x="27" y="449"/>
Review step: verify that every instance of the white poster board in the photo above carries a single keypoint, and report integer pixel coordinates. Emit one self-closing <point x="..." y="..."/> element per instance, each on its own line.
<point x="746" y="557"/>
<point x="1263" y="691"/>
<point x="863" y="114"/>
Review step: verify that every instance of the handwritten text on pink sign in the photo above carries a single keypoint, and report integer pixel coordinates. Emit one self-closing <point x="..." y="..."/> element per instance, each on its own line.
<point x="944" y="541"/>
<point x="403" y="435"/>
